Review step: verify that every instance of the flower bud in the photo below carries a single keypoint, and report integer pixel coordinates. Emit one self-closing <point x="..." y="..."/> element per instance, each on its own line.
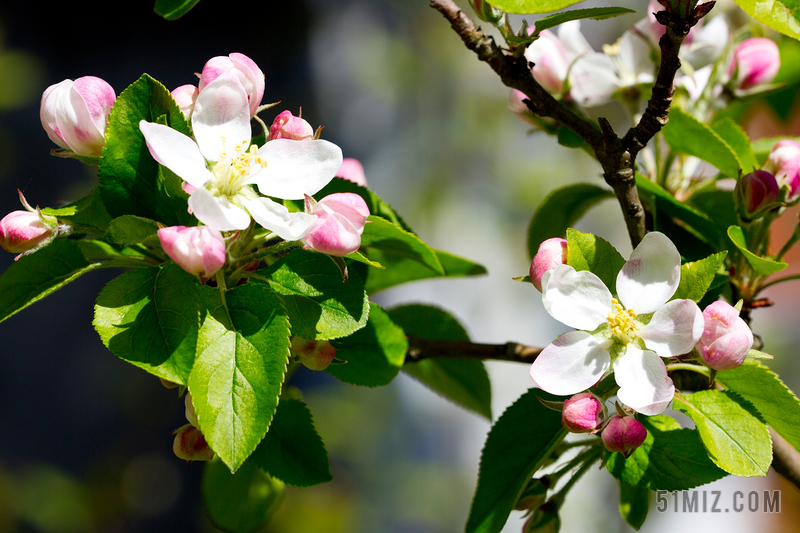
<point x="783" y="162"/>
<point x="199" y="250"/>
<point x="352" y="170"/>
<point x="583" y="413"/>
<point x="726" y="337"/>
<point x="288" y="126"/>
<point x="21" y="231"/>
<point x="245" y="70"/>
<point x="543" y="521"/>
<point x="756" y="61"/>
<point x="552" y="252"/>
<point x="74" y="114"/>
<point x="185" y="96"/>
<point x="315" y="355"/>
<point x="191" y="414"/>
<point x="190" y="445"/>
<point x="340" y="223"/>
<point x="168" y="384"/>
<point x="623" y="434"/>
<point x="551" y="61"/>
<point x="486" y="11"/>
<point x="755" y="192"/>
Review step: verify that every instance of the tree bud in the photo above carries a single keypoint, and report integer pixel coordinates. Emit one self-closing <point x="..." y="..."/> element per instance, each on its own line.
<point x="623" y="434"/>
<point x="552" y="252"/>
<point x="583" y="413"/>
<point x="783" y="162"/>
<point x="185" y="96"/>
<point x="21" y="231"/>
<point x="726" y="337"/>
<point x="352" y="170"/>
<point x="288" y="126"/>
<point x="340" y="223"/>
<point x="190" y="445"/>
<point x="315" y="355"/>
<point x="756" y="61"/>
<point x="245" y="70"/>
<point x="199" y="250"/>
<point x="756" y="192"/>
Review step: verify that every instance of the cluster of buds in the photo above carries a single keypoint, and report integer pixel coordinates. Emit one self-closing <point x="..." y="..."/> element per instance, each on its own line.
<point x="189" y="443"/>
<point x="775" y="185"/>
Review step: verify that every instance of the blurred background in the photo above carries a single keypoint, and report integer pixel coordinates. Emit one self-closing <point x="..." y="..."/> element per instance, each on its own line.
<point x="84" y="437"/>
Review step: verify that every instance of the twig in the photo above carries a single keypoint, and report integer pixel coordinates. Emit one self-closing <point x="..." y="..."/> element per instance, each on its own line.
<point x="420" y="349"/>
<point x="785" y="459"/>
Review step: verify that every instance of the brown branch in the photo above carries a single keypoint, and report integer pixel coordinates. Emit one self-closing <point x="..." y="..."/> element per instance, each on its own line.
<point x="785" y="459"/>
<point x="420" y="349"/>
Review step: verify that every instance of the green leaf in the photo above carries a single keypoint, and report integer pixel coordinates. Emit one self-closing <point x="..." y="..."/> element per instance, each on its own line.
<point x="150" y="317"/>
<point x="670" y="458"/>
<point x="595" y="13"/>
<point x="589" y="252"/>
<point x="634" y="503"/>
<point x="89" y="212"/>
<point x="517" y="446"/>
<point x="735" y="439"/>
<point x="525" y="7"/>
<point x="686" y="134"/>
<point x="560" y="209"/>
<point x="240" y="502"/>
<point x="697" y="277"/>
<point x="130" y="229"/>
<point x="174" y="9"/>
<point x="782" y="16"/>
<point x="774" y="401"/>
<point x="463" y="381"/>
<point x="737" y="139"/>
<point x="374" y="354"/>
<point x="242" y="352"/>
<point x="292" y="450"/>
<point x="320" y="305"/>
<point x="761" y="265"/>
<point x="40" y="274"/>
<point x="455" y="266"/>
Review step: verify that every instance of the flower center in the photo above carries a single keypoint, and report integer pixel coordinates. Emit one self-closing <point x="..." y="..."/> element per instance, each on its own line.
<point x="621" y="322"/>
<point x="233" y="171"/>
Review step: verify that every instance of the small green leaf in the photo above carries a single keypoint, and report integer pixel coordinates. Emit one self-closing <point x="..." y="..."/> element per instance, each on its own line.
<point x="240" y="502"/>
<point x="697" y="277"/>
<point x="761" y="265"/>
<point x="88" y="212"/>
<point x="560" y="209"/>
<point x="594" y="13"/>
<point x="525" y="7"/>
<point x="737" y="139"/>
<point x="686" y="134"/>
<point x="736" y="440"/>
<point x="174" y="9"/>
<point x="589" y="252"/>
<point x="517" y="446"/>
<point x="782" y="16"/>
<point x="634" y="503"/>
<point x="130" y="229"/>
<point x="455" y="266"/>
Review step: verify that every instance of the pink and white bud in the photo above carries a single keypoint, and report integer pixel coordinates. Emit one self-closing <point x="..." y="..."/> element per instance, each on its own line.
<point x="551" y="253"/>
<point x="783" y="162"/>
<point x="583" y="413"/>
<point x="288" y="126"/>
<point x="74" y="114"/>
<point x="756" y="191"/>
<point x="551" y="61"/>
<point x="756" y="61"/>
<point x="623" y="434"/>
<point x="21" y="231"/>
<point x="340" y="223"/>
<point x="352" y="170"/>
<point x="190" y="445"/>
<point x="245" y="70"/>
<point x="199" y="250"/>
<point x="191" y="414"/>
<point x="315" y="355"/>
<point x="185" y="96"/>
<point x="726" y="337"/>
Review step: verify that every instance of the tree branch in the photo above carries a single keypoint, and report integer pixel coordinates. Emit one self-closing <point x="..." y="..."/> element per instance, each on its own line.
<point x="785" y="459"/>
<point x="420" y="349"/>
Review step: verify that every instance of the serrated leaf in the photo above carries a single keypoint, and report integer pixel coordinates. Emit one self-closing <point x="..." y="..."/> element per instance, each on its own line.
<point x="374" y="354"/>
<point x="735" y="439"/>
<point x="464" y="381"/>
<point x="590" y="252"/>
<point x="174" y="9"/>
<point x="761" y="265"/>
<point x="594" y="13"/>
<point x="782" y="16"/>
<point x="242" y="352"/>
<point x="292" y="450"/>
<point x="696" y="277"/>
<point x="687" y="135"/>
<point x="526" y="7"/>
<point x="737" y="139"/>
<point x="634" y="503"/>
<point x="88" y="211"/>
<point x="130" y="229"/>
<point x="560" y="209"/>
<point x="517" y="446"/>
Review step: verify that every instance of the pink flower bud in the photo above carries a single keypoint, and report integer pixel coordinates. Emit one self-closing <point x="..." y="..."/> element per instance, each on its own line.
<point x="755" y="61"/>
<point x="288" y="126"/>
<point x="315" y="355"/>
<point x="352" y="170"/>
<point x="755" y="191"/>
<point x="190" y="445"/>
<point x="21" y="231"/>
<point x="185" y="96"/>
<point x="551" y="61"/>
<point x="783" y="162"/>
<point x="74" y="114"/>
<point x="552" y="252"/>
<point x="583" y="413"/>
<point x="189" y="411"/>
<point x="623" y="434"/>
<point x="340" y="223"/>
<point x="245" y="70"/>
<point x="726" y="337"/>
<point x="199" y="250"/>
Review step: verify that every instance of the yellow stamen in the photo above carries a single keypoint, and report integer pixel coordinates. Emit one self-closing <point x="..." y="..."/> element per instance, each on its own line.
<point x="621" y="321"/>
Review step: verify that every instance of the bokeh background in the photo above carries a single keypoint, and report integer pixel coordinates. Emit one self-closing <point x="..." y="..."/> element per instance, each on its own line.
<point x="84" y="437"/>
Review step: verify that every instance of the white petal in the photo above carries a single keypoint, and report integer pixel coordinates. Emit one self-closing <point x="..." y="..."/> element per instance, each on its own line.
<point x="593" y="80"/>
<point x="578" y="299"/>
<point x="275" y="217"/>
<point x="297" y="168"/>
<point x="643" y="381"/>
<point x="221" y="117"/>
<point x="217" y="211"/>
<point x="572" y="363"/>
<point x="177" y="152"/>
<point x="573" y="40"/>
<point x="651" y="275"/>
<point x="674" y="329"/>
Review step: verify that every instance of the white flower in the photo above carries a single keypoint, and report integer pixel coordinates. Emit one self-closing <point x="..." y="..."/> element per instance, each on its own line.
<point x="628" y="334"/>
<point x="223" y="167"/>
<point x="552" y="55"/>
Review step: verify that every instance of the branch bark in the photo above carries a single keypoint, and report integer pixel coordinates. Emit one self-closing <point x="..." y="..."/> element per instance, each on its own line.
<point x="420" y="349"/>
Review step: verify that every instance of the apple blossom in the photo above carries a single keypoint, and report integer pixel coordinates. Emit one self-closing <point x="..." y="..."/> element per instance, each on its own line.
<point x="288" y="126"/>
<point x="245" y="70"/>
<point x="783" y="162"/>
<point x="190" y="445"/>
<point x="74" y="114"/>
<point x="199" y="250"/>
<point x="352" y="170"/>
<point x="623" y="434"/>
<point x="551" y="253"/>
<point x="726" y="337"/>
<point x="315" y="355"/>
<point x="340" y="220"/>
<point x="628" y="334"/>
<point x="755" y="61"/>
<point x="223" y="167"/>
<point x="185" y="96"/>
<point x="552" y="55"/>
<point x="582" y="413"/>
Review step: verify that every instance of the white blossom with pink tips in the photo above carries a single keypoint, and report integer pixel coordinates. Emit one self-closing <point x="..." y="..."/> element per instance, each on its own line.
<point x="628" y="334"/>
<point x="225" y="169"/>
<point x="339" y="225"/>
<point x="246" y="71"/>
